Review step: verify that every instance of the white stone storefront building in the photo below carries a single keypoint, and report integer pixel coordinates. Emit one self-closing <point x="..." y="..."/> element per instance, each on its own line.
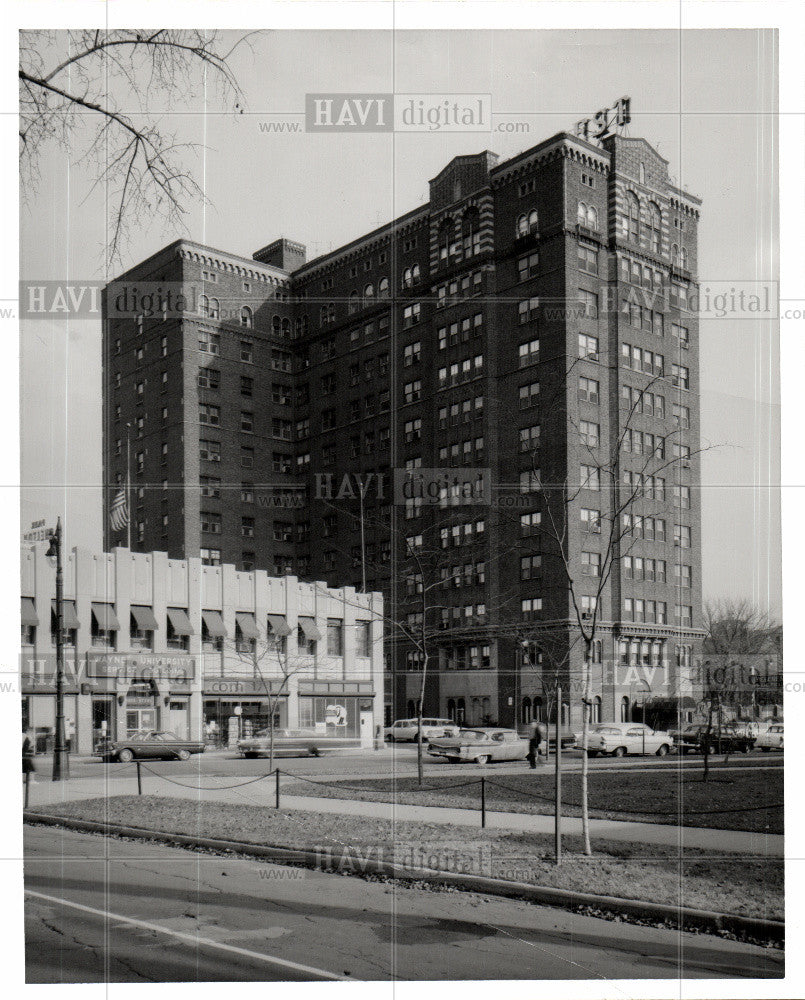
<point x="205" y="651"/>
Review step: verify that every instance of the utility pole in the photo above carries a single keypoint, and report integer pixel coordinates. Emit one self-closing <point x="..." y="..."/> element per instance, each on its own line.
<point x="557" y="832"/>
<point x="61" y="761"/>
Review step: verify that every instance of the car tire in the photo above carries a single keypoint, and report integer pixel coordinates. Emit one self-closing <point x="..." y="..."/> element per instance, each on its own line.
<point x="592" y="753"/>
<point x="482" y="760"/>
<point x="619" y="752"/>
<point x="746" y="748"/>
<point x="766" y="749"/>
<point x="125" y="756"/>
<point x="314" y="751"/>
<point x="454" y="760"/>
<point x="662" y="749"/>
<point x="183" y="754"/>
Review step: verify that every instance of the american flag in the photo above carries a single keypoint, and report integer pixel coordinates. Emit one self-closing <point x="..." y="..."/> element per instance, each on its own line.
<point x="119" y="512"/>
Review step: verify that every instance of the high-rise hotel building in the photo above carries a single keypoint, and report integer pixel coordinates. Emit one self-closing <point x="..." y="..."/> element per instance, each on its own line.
<point x="535" y="318"/>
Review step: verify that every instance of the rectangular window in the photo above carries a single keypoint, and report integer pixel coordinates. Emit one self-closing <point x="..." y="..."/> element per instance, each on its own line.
<point x="246" y="386"/>
<point x="589" y="301"/>
<point x="530" y="523"/>
<point x="211" y="522"/>
<point x="682" y="536"/>
<point x="208" y="414"/>
<point x="527" y="266"/>
<point x="590" y="477"/>
<point x="209" y="378"/>
<point x="591" y="563"/>
<point x="529" y="439"/>
<point x="528" y="353"/>
<point x="588" y="390"/>
<point x="590" y="520"/>
<point x="247" y="421"/>
<point x="246" y="457"/>
<point x="589" y="433"/>
<point x="210" y="487"/>
<point x="247" y="527"/>
<point x="335" y="637"/>
<point x="527" y="309"/>
<point x="530" y="567"/>
<point x="210" y="451"/>
<point x="281" y="393"/>
<point x="588" y="347"/>
<point x="529" y="395"/>
<point x="247" y="351"/>
<point x="411" y="315"/>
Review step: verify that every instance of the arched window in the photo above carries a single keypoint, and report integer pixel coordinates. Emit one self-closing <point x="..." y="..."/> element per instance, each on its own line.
<point x="592" y="217"/>
<point x="631" y="222"/>
<point x="624" y="709"/>
<point x="246" y="317"/>
<point x="533" y="221"/>
<point x="674" y="253"/>
<point x="323" y="316"/>
<point x="407" y="279"/>
<point x="331" y="312"/>
<point x="595" y="710"/>
<point x="368" y="294"/>
<point x="286" y="328"/>
<point x="383" y="289"/>
<point x="304" y="324"/>
<point x="596" y="651"/>
<point x="451" y="709"/>
<point x="204" y="305"/>
<point x="522" y="226"/>
<point x="461" y="711"/>
<point x="538" y="717"/>
<point x="214" y="309"/>
<point x="525" y="712"/>
<point x="298" y="326"/>
<point x="275" y="325"/>
<point x="655" y="222"/>
<point x="486" y="708"/>
<point x="470" y="232"/>
<point x="581" y="214"/>
<point x="683" y="258"/>
<point x="415" y="272"/>
<point x="354" y="302"/>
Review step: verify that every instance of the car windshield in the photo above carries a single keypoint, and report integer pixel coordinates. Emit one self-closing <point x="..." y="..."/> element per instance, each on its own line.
<point x="473" y="734"/>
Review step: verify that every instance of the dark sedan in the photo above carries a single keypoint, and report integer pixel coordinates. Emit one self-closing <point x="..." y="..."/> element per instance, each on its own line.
<point x="149" y="745"/>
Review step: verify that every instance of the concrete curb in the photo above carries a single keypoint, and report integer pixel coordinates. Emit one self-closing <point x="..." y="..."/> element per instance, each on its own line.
<point x="682" y="918"/>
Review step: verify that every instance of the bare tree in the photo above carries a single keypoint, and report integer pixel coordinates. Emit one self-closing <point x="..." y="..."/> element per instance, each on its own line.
<point x="616" y="527"/>
<point x="102" y="97"/>
<point x="269" y="659"/>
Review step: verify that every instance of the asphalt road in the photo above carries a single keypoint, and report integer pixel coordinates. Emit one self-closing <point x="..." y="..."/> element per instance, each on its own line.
<point x="399" y="760"/>
<point x="104" y="910"/>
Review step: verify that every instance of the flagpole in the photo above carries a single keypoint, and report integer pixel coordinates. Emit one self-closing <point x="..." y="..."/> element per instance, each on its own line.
<point x="128" y="486"/>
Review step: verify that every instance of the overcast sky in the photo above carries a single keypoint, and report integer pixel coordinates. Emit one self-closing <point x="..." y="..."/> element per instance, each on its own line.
<point x="705" y="100"/>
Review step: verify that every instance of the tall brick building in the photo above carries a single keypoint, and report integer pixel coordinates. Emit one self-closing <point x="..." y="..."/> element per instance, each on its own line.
<point x="535" y="318"/>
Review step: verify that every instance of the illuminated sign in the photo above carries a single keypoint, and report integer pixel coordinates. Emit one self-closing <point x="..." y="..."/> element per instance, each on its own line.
<point x="604" y="122"/>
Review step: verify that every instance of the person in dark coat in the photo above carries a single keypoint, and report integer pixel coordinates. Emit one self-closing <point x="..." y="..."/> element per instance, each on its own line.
<point x="542" y="730"/>
<point x="27" y="754"/>
<point x="533" y="746"/>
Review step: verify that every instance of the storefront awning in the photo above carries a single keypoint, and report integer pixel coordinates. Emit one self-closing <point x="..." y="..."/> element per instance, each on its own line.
<point x="144" y="618"/>
<point x="29" y="612"/>
<point x="69" y="618"/>
<point x="308" y="626"/>
<point x="180" y="623"/>
<point x="214" y="624"/>
<point x="105" y="617"/>
<point x="278" y="625"/>
<point x="247" y="624"/>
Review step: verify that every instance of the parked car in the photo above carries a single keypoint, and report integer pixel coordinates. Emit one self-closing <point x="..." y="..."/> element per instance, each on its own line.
<point x="729" y="739"/>
<point x="480" y="745"/>
<point x="293" y="743"/>
<point x="405" y="730"/>
<point x="149" y="745"/>
<point x="688" y="739"/>
<point x="771" y="739"/>
<point x="620" y="738"/>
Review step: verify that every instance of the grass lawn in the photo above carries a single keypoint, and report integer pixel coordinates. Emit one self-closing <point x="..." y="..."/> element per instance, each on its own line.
<point x="658" y="797"/>
<point x="748" y="886"/>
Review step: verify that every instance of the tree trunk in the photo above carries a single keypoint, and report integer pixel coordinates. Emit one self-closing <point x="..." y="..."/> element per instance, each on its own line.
<point x="419" y="765"/>
<point x="585" y="715"/>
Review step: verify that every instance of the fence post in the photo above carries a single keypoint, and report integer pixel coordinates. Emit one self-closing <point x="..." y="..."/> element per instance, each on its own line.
<point x="483" y="802"/>
<point x="277" y="787"/>
<point x="139" y="780"/>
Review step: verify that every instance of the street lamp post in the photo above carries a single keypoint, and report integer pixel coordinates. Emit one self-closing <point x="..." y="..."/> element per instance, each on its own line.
<point x="61" y="761"/>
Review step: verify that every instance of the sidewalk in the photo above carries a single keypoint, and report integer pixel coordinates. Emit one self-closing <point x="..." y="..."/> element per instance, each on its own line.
<point x="262" y="793"/>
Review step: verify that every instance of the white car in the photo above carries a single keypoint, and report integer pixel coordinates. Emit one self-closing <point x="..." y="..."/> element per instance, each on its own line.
<point x="620" y="738"/>
<point x="406" y="729"/>
<point x="772" y="739"/>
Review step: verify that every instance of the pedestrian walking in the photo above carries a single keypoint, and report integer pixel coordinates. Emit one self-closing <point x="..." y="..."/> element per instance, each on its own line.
<point x="28" y="766"/>
<point x="533" y="747"/>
